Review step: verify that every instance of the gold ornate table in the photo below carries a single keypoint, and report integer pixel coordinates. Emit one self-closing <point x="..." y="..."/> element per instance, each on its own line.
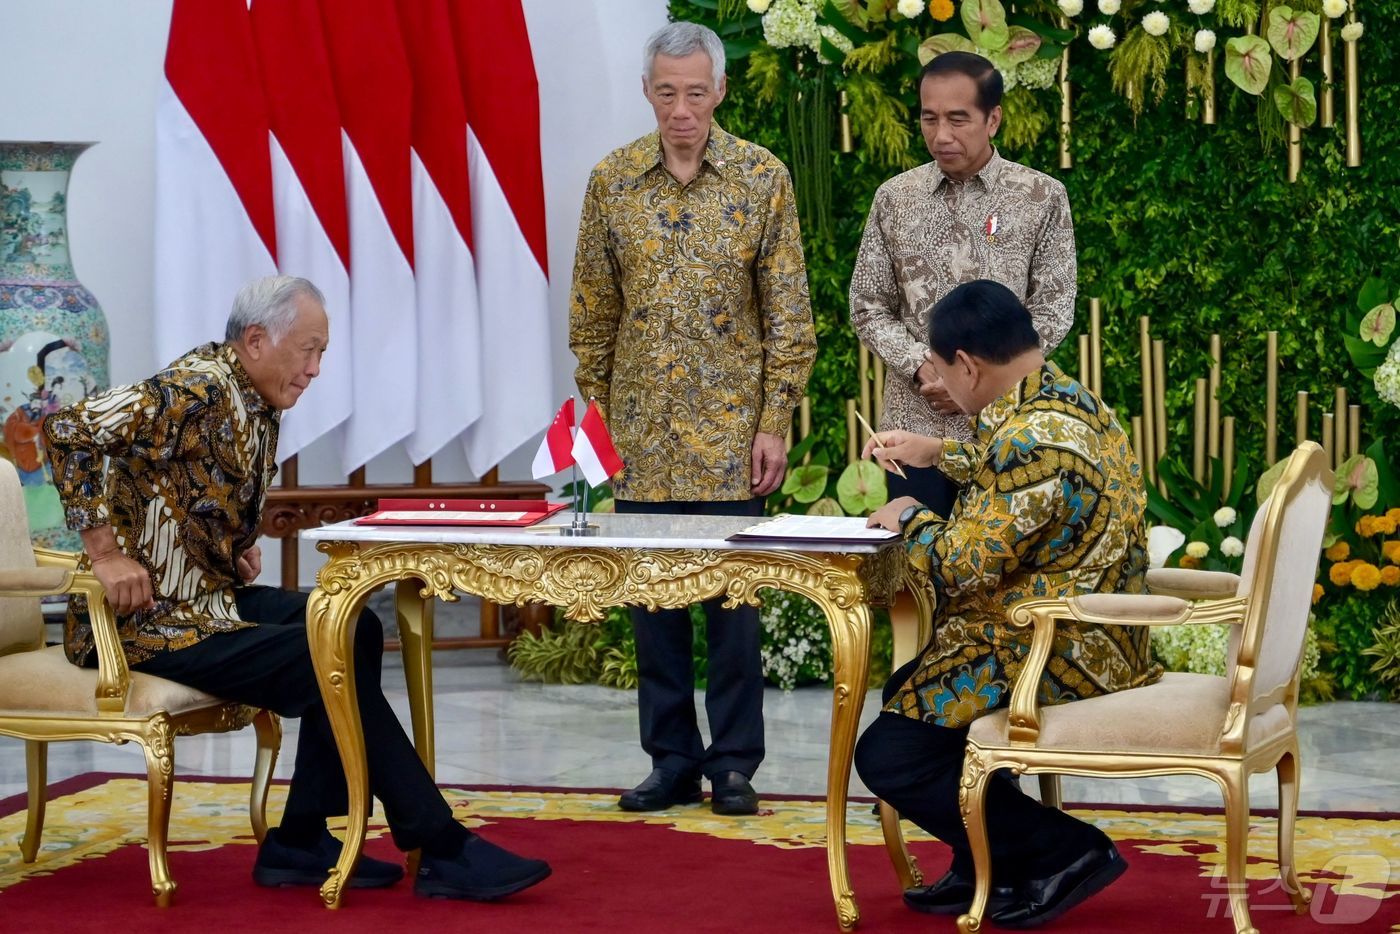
<point x="649" y="560"/>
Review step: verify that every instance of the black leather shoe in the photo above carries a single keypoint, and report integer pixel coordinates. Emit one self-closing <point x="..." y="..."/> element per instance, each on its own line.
<point x="1039" y="901"/>
<point x="661" y="790"/>
<point x="278" y="864"/>
<point x="731" y="794"/>
<point x="952" y="895"/>
<point x="482" y="872"/>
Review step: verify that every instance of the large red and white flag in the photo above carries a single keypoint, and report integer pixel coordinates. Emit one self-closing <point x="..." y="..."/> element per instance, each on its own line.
<point x="556" y="448"/>
<point x="214" y="228"/>
<point x="449" y="324"/>
<point x="308" y="193"/>
<point x="508" y="222"/>
<point x="593" y="448"/>
<point x="374" y="91"/>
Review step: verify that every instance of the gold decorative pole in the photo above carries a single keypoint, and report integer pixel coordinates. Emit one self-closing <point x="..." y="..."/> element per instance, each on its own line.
<point x="1149" y="408"/>
<point x="1353" y="101"/>
<point x="1271" y="399"/>
<point x="1227" y="465"/>
<point x="879" y="389"/>
<point x="1066" y="109"/>
<point x="865" y="384"/>
<point x="1300" y="419"/>
<point x="1085" y="379"/>
<point x="1137" y="442"/>
<point x="1213" y="400"/>
<point x="1198" y="440"/>
<point x="1341" y="424"/>
<point x="847" y="144"/>
<point x="1353" y="430"/>
<point x="1327" y="115"/>
<point x="1208" y="101"/>
<point x="1327" y="439"/>
<point x="804" y="423"/>
<point x="1159" y="393"/>
<point x="852" y="439"/>
<point x="1295" y="132"/>
<point x="1096" y="345"/>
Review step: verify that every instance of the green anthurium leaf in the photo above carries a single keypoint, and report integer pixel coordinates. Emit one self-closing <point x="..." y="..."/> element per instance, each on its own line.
<point x="608" y="505"/>
<point x="1268" y="480"/>
<point x="878" y="10"/>
<point x="861" y="488"/>
<point x="849" y="10"/>
<point x="1373" y="292"/>
<point x="807" y="483"/>
<point x="1341" y="484"/>
<point x="934" y="46"/>
<point x="1292" y="32"/>
<point x="1296" y="101"/>
<point x="986" y="23"/>
<point x="1247" y="63"/>
<point x="1365" y="483"/>
<point x="1379" y="324"/>
<point x="826" y="506"/>
<point x="1329" y="539"/>
<point x="1021" y="45"/>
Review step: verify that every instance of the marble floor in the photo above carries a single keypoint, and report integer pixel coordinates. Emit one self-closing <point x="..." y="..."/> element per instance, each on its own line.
<point x="494" y="729"/>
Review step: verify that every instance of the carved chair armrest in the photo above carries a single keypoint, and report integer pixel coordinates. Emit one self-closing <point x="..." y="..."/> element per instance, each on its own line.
<point x="1191" y="584"/>
<point x="52" y="558"/>
<point x="34" y="582"/>
<point x="1103" y="609"/>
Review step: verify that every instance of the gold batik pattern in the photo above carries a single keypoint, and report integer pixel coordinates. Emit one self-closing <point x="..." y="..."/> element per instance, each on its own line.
<point x="191" y="451"/>
<point x="1051" y="505"/>
<point x="927" y="234"/>
<point x="689" y="314"/>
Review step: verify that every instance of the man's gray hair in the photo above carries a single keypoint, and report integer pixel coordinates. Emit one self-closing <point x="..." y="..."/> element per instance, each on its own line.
<point x="679" y="40"/>
<point x="271" y="303"/>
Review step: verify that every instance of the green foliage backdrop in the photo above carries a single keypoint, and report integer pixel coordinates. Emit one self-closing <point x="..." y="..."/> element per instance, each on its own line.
<point x="1193" y="225"/>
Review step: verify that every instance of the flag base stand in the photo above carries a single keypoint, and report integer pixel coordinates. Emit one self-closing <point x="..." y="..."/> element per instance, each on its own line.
<point x="578" y="530"/>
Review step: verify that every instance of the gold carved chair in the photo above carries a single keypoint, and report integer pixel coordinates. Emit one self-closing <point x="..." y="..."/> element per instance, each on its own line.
<point x="1221" y="728"/>
<point x="44" y="698"/>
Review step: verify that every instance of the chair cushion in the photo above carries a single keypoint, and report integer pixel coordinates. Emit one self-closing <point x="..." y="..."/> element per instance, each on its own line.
<point x="45" y="682"/>
<point x="1181" y="713"/>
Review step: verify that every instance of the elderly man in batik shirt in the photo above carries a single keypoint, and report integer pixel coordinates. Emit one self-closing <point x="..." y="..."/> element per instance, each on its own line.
<point x="1050" y="504"/>
<point x="170" y="527"/>
<point x="692" y="328"/>
<point x="969" y="214"/>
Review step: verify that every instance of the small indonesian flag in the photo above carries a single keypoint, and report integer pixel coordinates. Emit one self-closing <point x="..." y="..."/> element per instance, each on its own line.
<point x="555" y="451"/>
<point x="593" y="448"/>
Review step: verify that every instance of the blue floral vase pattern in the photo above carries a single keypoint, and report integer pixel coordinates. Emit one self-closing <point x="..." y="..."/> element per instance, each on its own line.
<point x="53" y="335"/>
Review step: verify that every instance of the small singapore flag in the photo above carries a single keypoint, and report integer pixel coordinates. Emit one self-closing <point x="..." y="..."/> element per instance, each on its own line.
<point x="556" y="450"/>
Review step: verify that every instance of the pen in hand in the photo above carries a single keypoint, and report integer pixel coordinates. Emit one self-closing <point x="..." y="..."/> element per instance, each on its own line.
<point x="879" y="446"/>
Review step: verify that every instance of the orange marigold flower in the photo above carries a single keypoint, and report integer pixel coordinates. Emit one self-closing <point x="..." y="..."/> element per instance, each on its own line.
<point x="941" y="10"/>
<point x="1190" y="561"/>
<point x="1338" y="552"/>
<point x="1366" y="577"/>
<point x="1393" y="513"/>
<point x="1366" y="526"/>
<point x="1340" y="573"/>
<point x="1318" y="591"/>
<point x="1390" y="575"/>
<point x="1391" y="551"/>
<point x="1384" y="525"/>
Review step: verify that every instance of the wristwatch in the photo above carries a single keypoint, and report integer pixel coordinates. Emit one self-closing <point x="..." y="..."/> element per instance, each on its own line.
<point x="908" y="514"/>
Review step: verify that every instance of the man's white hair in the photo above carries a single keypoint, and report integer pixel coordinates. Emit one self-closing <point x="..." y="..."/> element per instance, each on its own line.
<point x="270" y="303"/>
<point x="681" y="39"/>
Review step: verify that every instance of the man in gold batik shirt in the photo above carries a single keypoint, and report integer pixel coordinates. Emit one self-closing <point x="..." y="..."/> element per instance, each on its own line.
<point x="692" y="328"/>
<point x="1050" y="504"/>
<point x="969" y="214"/>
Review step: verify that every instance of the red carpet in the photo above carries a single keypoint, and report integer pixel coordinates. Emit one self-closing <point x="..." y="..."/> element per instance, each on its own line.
<point x="620" y="873"/>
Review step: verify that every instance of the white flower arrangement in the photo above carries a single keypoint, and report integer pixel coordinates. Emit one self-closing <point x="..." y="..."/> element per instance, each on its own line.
<point x="1334" y="8"/>
<point x="1225" y="517"/>
<point x="1197" y="549"/>
<point x="1205" y="40"/>
<point x="1101" y="37"/>
<point x="1232" y="547"/>
<point x="760" y="6"/>
<point x="1109" y="7"/>
<point x="796" y="640"/>
<point x="1156" y="23"/>
<point x="1352" y="31"/>
<point x="910" y="8"/>
<point x="1388" y="374"/>
<point x="1202" y="7"/>
<point x="1071" y="8"/>
<point x="791" y="22"/>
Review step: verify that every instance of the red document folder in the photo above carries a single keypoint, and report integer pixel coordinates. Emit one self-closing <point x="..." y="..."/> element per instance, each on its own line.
<point x="499" y="513"/>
